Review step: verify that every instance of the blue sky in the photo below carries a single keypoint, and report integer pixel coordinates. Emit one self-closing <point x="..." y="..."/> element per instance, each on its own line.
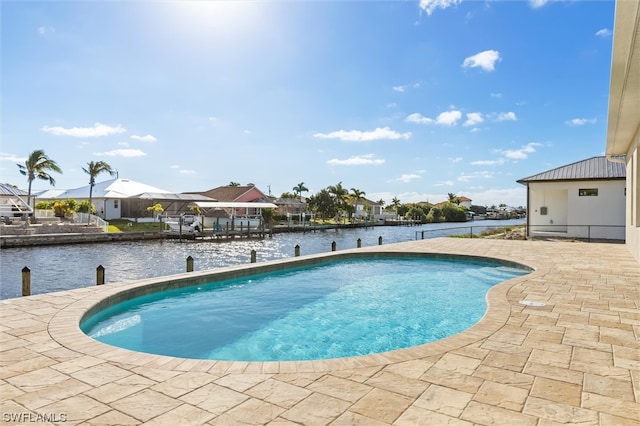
<point x="407" y="99"/>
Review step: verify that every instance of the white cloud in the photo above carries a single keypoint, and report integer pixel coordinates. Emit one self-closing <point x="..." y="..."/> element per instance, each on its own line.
<point x="43" y="31"/>
<point x="605" y="32"/>
<point x="418" y="118"/>
<point x="456" y="160"/>
<point x="364" y="136"/>
<point x="122" y="153"/>
<point x="536" y="4"/>
<point x="97" y="130"/>
<point x="485" y="60"/>
<point x="522" y="153"/>
<point x="400" y="89"/>
<point x="475" y="176"/>
<point x="449" y="118"/>
<point x="496" y="95"/>
<point x="580" y="121"/>
<point x="473" y="118"/>
<point x="187" y="172"/>
<point x="430" y="5"/>
<point x="175" y="166"/>
<point x="358" y="160"/>
<point x="444" y="183"/>
<point x="406" y="178"/>
<point x="4" y="156"/>
<point x="145" y="138"/>
<point x="506" y="116"/>
<point x="488" y="162"/>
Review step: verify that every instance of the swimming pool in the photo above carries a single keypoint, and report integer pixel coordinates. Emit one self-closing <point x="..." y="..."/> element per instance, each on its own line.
<point x="335" y="309"/>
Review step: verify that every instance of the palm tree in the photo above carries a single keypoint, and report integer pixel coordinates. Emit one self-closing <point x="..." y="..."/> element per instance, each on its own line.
<point x="299" y="189"/>
<point x="396" y="204"/>
<point x="339" y="195"/>
<point x="232" y="183"/>
<point x="357" y="195"/>
<point x="93" y="171"/>
<point x="36" y="166"/>
<point x="453" y="198"/>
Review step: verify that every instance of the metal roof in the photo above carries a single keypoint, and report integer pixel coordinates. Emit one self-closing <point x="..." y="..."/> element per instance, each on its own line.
<point x="594" y="168"/>
<point x="164" y="196"/>
<point x="113" y="188"/>
<point x="11" y="190"/>
<point x="236" y="205"/>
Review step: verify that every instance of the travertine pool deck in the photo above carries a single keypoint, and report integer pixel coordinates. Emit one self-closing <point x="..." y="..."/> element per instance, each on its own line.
<point x="575" y="360"/>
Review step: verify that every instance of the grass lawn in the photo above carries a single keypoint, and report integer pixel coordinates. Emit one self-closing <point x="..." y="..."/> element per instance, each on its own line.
<point x="121" y="225"/>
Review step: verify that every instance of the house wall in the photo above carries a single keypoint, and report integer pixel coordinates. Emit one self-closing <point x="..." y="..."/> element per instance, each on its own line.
<point x="552" y="197"/>
<point x="601" y="216"/>
<point x="249" y="196"/>
<point x="632" y="233"/>
<point x="112" y="208"/>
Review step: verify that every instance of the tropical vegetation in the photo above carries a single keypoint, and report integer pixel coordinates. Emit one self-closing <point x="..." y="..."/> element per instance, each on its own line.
<point x="38" y="166"/>
<point x="93" y="170"/>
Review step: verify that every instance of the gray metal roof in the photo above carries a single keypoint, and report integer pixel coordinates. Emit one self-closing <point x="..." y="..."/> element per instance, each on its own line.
<point x="594" y="168"/>
<point x="6" y="189"/>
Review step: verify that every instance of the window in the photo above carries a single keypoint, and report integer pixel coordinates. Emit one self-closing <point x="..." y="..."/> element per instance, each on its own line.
<point x="115" y="204"/>
<point x="589" y="192"/>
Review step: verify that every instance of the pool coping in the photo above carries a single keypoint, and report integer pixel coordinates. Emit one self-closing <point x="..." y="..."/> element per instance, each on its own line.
<point x="64" y="326"/>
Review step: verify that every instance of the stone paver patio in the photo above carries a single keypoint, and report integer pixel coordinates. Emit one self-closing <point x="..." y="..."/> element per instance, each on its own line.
<point x="575" y="360"/>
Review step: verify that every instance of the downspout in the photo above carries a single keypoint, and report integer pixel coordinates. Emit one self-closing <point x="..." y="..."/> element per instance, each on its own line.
<point x="528" y="212"/>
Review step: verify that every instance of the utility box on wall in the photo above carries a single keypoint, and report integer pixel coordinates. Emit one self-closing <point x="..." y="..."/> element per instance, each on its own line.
<point x="543" y="211"/>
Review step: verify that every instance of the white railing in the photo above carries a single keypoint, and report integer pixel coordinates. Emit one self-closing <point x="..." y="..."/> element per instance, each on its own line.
<point x="40" y="213"/>
<point x="91" y="220"/>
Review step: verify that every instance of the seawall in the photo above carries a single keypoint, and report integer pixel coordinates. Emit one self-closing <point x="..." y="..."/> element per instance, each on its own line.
<point x="11" y="241"/>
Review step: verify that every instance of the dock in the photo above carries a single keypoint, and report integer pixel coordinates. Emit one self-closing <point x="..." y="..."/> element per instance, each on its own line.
<point x="219" y="235"/>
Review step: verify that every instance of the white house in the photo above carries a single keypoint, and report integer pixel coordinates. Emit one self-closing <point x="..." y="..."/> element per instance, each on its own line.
<point x="125" y="198"/>
<point x="623" y="124"/>
<point x="585" y="199"/>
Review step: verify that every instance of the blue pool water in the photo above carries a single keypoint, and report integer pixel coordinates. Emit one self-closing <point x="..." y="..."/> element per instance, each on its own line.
<point x="336" y="309"/>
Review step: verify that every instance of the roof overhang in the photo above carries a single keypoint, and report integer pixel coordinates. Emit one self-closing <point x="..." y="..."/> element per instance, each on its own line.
<point x="165" y="196"/>
<point x="234" y="205"/>
<point x="624" y="92"/>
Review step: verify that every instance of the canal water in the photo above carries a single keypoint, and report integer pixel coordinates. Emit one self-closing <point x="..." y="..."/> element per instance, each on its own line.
<point x="65" y="267"/>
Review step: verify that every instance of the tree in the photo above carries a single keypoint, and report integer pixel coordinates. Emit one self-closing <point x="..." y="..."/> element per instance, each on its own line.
<point x="454" y="213"/>
<point x="299" y="189"/>
<point x="94" y="169"/>
<point x="232" y="183"/>
<point x="396" y="204"/>
<point x="435" y="215"/>
<point x="416" y="212"/>
<point x="323" y="204"/>
<point x="339" y="194"/>
<point x="156" y="208"/>
<point x="287" y="195"/>
<point x="36" y="167"/>
<point x="357" y="196"/>
<point x="453" y="198"/>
